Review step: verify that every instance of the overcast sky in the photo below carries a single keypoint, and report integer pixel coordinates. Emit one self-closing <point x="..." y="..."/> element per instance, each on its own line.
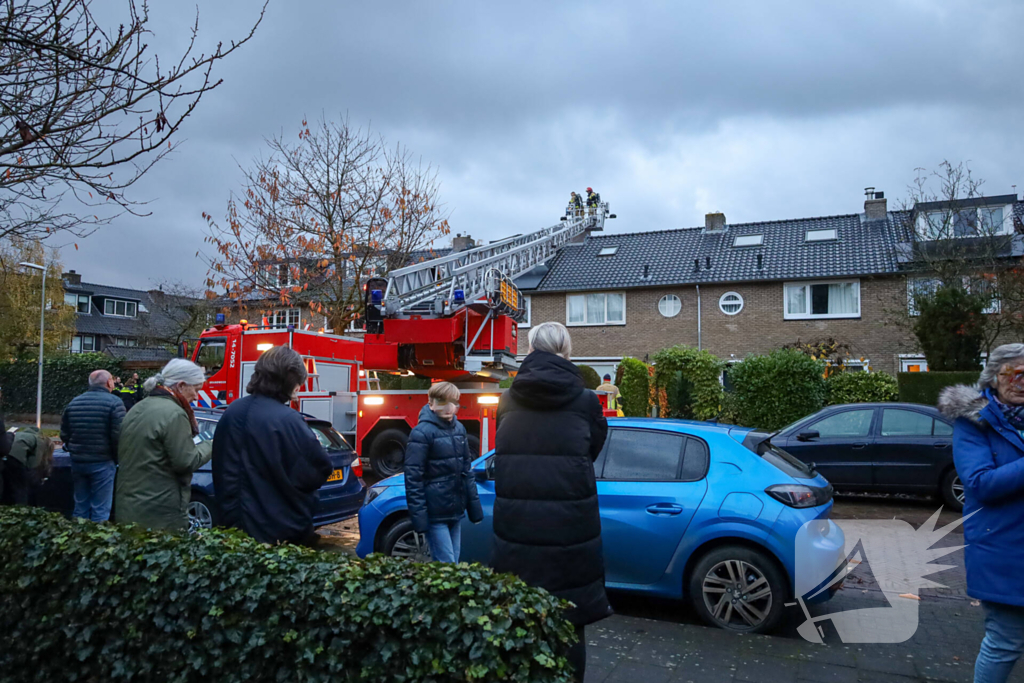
<point x="762" y="110"/>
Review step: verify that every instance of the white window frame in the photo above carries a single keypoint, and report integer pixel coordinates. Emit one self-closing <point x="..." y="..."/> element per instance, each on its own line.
<point x="290" y="280"/>
<point x="80" y="339"/>
<point x="994" y="307"/>
<point x="748" y="240"/>
<point x="280" y="319"/>
<point x="721" y="303"/>
<point x="924" y="226"/>
<point x="528" y="305"/>
<point x="608" y="251"/>
<point x="125" y="341"/>
<point x="824" y="235"/>
<point x="587" y="323"/>
<point x="678" y="310"/>
<point x="821" y="316"/>
<point x="126" y="303"/>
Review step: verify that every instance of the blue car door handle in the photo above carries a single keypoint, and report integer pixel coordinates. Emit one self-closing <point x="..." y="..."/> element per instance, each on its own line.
<point x="664" y="509"/>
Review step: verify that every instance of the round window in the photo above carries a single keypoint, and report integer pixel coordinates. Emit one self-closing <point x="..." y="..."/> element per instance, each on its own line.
<point x="670" y="305"/>
<point x="731" y="303"/>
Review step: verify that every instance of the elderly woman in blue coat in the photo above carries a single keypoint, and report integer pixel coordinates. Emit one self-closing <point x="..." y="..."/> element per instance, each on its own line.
<point x="439" y="484"/>
<point x="988" y="450"/>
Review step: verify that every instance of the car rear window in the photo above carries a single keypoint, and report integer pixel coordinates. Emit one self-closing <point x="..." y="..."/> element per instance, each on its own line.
<point x="761" y="444"/>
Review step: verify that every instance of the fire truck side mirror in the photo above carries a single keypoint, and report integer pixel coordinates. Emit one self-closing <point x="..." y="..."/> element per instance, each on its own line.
<point x="183" y="350"/>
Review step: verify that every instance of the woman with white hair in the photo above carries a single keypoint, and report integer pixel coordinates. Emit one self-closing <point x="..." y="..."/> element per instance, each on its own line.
<point x="988" y="451"/>
<point x="158" y="451"/>
<point x="547" y="524"/>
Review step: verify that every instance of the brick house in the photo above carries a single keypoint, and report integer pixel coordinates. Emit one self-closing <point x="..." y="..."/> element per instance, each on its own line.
<point x="738" y="289"/>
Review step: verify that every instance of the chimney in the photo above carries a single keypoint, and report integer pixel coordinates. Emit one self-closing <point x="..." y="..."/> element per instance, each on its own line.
<point x="707" y="262"/>
<point x="714" y="222"/>
<point x="462" y="242"/>
<point x="760" y="261"/>
<point x="73" y="278"/>
<point x="875" y="208"/>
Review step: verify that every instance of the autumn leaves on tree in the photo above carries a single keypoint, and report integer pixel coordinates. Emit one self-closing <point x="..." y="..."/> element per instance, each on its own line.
<point x="320" y="215"/>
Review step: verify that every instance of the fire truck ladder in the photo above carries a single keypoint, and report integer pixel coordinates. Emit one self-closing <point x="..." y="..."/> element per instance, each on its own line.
<point x="430" y="286"/>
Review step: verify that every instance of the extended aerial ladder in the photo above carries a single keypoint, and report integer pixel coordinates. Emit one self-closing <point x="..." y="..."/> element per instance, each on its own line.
<point x="455" y="317"/>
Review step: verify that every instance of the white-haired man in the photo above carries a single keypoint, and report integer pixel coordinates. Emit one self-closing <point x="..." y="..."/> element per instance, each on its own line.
<point x="90" y="429"/>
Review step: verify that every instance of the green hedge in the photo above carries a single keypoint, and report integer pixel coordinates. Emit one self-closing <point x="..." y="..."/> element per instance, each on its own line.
<point x="690" y="379"/>
<point x="64" y="377"/>
<point x="772" y="391"/>
<point x="87" y="602"/>
<point x="860" y="387"/>
<point x="924" y="387"/>
<point x="635" y="388"/>
<point x="402" y="382"/>
<point x="590" y="377"/>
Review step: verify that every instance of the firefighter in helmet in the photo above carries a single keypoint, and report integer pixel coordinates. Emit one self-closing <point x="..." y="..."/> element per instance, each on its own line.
<point x="593" y="199"/>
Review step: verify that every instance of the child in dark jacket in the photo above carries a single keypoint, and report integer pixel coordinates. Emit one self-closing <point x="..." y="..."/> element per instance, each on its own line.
<point x="439" y="484"/>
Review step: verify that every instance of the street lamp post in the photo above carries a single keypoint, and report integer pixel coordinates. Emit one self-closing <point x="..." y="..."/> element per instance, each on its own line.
<point x="42" y="322"/>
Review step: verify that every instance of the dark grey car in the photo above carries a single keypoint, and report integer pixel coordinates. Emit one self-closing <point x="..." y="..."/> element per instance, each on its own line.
<point x="885" y="447"/>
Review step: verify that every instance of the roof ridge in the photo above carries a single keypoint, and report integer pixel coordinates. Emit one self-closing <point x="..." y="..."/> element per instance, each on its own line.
<point x="97" y="284"/>
<point x="729" y="225"/>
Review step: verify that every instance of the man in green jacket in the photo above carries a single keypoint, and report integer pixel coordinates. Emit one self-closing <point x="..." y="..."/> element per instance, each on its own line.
<point x="160" y="448"/>
<point x="30" y="452"/>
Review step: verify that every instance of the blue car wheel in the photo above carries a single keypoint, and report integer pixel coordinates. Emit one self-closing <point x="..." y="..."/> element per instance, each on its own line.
<point x="401" y="540"/>
<point x="738" y="589"/>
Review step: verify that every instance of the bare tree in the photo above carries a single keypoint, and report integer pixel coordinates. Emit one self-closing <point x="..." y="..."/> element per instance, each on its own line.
<point x="958" y="240"/>
<point x="180" y="311"/>
<point x="319" y="216"/>
<point x="87" y="111"/>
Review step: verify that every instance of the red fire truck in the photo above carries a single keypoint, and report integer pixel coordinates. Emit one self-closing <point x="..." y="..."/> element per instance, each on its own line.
<point x="452" y="318"/>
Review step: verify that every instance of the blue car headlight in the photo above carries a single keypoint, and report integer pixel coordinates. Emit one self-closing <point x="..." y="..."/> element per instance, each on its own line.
<point x="799" y="495"/>
<point x="372" y="494"/>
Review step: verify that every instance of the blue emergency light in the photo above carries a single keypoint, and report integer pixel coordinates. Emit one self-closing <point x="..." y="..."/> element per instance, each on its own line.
<point x="219" y="319"/>
<point x="376" y="297"/>
<point x="458" y="297"/>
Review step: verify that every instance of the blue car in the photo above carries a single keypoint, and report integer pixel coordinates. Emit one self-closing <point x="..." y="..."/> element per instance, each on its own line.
<point x="340" y="498"/>
<point x="688" y="510"/>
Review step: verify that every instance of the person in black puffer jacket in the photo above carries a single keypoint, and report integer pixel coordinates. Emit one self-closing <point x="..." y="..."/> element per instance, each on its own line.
<point x="91" y="430"/>
<point x="547" y="524"/>
<point x="439" y="484"/>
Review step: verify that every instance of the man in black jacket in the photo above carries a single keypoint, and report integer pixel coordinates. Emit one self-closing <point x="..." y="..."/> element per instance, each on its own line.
<point x="267" y="463"/>
<point x="547" y="524"/>
<point x="90" y="429"/>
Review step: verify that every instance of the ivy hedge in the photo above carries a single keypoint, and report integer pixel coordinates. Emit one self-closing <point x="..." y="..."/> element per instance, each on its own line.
<point x="64" y="377"/>
<point x="860" y="387"/>
<point x="690" y="380"/>
<point x="924" y="387"/>
<point x="89" y="602"/>
<point x="772" y="391"/>
<point x="634" y="387"/>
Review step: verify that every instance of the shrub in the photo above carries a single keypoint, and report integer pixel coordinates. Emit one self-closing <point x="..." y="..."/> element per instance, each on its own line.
<point x="690" y="380"/>
<point x="924" y="387"/>
<point x="860" y="387"/>
<point x="590" y="377"/>
<point x="89" y="602"/>
<point x="950" y="328"/>
<point x="635" y="388"/>
<point x="771" y="391"/>
<point x="390" y="382"/>
<point x="64" y="377"/>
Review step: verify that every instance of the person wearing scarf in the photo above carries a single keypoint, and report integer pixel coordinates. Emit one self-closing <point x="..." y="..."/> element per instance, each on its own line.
<point x="988" y="452"/>
<point x="159" y="450"/>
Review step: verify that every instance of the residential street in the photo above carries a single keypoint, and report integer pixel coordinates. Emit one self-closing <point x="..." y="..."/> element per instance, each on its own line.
<point x="658" y="641"/>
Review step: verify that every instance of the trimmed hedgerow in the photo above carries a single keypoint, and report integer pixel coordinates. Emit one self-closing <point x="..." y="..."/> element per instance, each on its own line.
<point x="90" y="602"/>
<point x="635" y="388"/>
<point x="690" y="380"/>
<point x="860" y="387"/>
<point x="65" y="377"/>
<point x="925" y="387"/>
<point x="773" y="390"/>
<point x="591" y="379"/>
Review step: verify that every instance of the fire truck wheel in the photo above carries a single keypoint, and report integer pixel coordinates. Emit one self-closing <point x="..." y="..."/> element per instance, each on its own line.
<point x="474" y="445"/>
<point x="387" y="456"/>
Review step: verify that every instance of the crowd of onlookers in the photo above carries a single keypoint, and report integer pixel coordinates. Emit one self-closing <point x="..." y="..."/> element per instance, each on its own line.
<point x="267" y="466"/>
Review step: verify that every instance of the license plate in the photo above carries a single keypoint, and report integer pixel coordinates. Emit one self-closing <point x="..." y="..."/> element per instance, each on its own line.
<point x="336" y="475"/>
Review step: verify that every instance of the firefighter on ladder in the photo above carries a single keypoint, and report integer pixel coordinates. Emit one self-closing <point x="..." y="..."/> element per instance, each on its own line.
<point x="593" y="199"/>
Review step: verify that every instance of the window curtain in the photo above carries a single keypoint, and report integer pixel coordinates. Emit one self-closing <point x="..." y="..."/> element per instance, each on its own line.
<point x="595" y="309"/>
<point x="844" y="298"/>
<point x="616" y="314"/>
<point x="577" y="311"/>
<point x="796" y="300"/>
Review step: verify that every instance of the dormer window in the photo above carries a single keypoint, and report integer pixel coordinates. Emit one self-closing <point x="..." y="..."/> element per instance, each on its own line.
<point x="820" y="235"/>
<point x="981" y="221"/>
<point x="748" y="241"/>
<point x="285" y="277"/>
<point x="119" y="308"/>
<point x="608" y="251"/>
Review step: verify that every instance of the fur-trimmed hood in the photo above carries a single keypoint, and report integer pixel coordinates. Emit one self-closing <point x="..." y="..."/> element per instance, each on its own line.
<point x="962" y="401"/>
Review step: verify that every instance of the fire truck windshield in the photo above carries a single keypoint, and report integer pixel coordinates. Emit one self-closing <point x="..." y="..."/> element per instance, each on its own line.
<point x="211" y="355"/>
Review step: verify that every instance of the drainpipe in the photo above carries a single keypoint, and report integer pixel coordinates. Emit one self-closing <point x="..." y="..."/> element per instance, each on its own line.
<point x="698" y="318"/>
